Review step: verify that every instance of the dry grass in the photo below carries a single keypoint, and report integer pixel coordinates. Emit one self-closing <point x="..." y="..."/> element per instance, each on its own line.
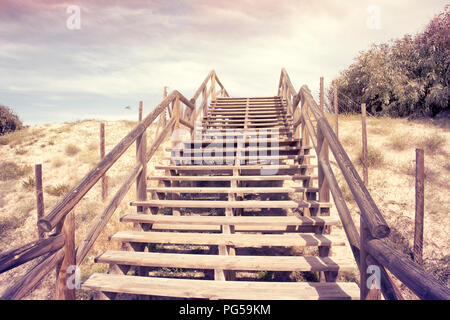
<point x="375" y="158"/>
<point x="11" y="171"/>
<point x="57" y="162"/>
<point x="392" y="144"/>
<point x="58" y="189"/>
<point x="29" y="184"/>
<point x="432" y="143"/>
<point x="72" y="149"/>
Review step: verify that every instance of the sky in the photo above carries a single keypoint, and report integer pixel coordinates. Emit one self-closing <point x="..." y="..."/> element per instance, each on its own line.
<point x="126" y="51"/>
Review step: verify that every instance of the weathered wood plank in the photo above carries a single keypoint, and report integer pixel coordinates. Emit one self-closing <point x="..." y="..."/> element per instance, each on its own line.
<point x="204" y="261"/>
<point x="210" y="289"/>
<point x="237" y="240"/>
<point x="30" y="251"/>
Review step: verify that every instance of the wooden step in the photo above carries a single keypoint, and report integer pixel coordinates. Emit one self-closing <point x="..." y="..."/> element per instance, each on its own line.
<point x="234" y="148"/>
<point x="233" y="178"/>
<point x="233" y="220"/>
<point x="205" y="261"/>
<point x="261" y="117"/>
<point x="211" y="289"/>
<point x="232" y="167"/>
<point x="226" y="190"/>
<point x="247" y="141"/>
<point x="239" y="240"/>
<point x="221" y="160"/>
<point x="247" y="204"/>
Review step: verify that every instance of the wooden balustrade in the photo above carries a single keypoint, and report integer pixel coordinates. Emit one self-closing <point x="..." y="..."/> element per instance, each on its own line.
<point x="58" y="250"/>
<point x="370" y="248"/>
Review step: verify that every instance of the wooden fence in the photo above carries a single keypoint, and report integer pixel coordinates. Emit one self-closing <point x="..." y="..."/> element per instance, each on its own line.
<point x="57" y="250"/>
<point x="370" y="246"/>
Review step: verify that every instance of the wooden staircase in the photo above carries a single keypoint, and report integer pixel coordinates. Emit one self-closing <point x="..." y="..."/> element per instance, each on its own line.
<point x="234" y="215"/>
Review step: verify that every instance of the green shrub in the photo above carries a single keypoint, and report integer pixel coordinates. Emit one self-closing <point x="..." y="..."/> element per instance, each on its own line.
<point x="9" y="121"/>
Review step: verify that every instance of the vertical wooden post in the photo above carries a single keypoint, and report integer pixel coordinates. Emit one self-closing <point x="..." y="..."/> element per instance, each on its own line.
<point x="364" y="146"/>
<point x="420" y="206"/>
<point x="68" y="229"/>
<point x="321" y="97"/>
<point x="141" y="150"/>
<point x="363" y="232"/>
<point x="213" y="86"/>
<point x="336" y="112"/>
<point x="324" y="196"/>
<point x="102" y="155"/>
<point x="165" y="92"/>
<point x="39" y="197"/>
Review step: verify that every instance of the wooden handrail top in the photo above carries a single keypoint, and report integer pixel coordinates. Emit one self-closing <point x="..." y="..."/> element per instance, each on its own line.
<point x="59" y="211"/>
<point x="202" y="86"/>
<point x="30" y="251"/>
<point x="371" y="214"/>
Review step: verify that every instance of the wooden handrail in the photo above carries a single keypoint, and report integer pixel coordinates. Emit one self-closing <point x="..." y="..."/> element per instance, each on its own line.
<point x="23" y="254"/>
<point x="33" y="277"/>
<point x="407" y="271"/>
<point x="369" y="210"/>
<point x="380" y="251"/>
<point x="53" y="245"/>
<point x="49" y="221"/>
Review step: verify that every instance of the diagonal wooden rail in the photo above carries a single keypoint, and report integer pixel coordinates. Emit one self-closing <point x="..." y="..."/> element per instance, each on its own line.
<point x="375" y="246"/>
<point x="51" y="248"/>
<point x="369" y="246"/>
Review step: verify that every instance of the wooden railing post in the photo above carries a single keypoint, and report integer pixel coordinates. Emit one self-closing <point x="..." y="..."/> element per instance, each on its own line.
<point x="102" y="155"/>
<point x="420" y="204"/>
<point x="324" y="196"/>
<point x="321" y="97"/>
<point x="39" y="198"/>
<point x="363" y="232"/>
<point x="68" y="229"/>
<point x="141" y="150"/>
<point x="336" y="112"/>
<point x="365" y="163"/>
<point x="213" y="86"/>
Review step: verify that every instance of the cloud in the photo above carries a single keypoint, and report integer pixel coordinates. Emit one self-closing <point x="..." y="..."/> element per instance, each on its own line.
<point x="128" y="50"/>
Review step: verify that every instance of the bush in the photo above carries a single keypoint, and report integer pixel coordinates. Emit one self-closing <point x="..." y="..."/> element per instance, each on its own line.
<point x="375" y="157"/>
<point x="432" y="143"/>
<point x="407" y="77"/>
<point x="10" y="171"/>
<point x="29" y="183"/>
<point x="72" y="149"/>
<point x="58" y="190"/>
<point x="9" y="121"/>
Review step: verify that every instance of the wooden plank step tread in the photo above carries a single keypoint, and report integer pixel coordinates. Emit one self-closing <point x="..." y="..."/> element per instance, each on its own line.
<point x="224" y="190"/>
<point x="211" y="289"/>
<point x="219" y="159"/>
<point x="232" y="220"/>
<point x="240" y="240"/>
<point x="233" y="178"/>
<point x="232" y="167"/>
<point x="247" y="204"/>
<point x="207" y="261"/>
